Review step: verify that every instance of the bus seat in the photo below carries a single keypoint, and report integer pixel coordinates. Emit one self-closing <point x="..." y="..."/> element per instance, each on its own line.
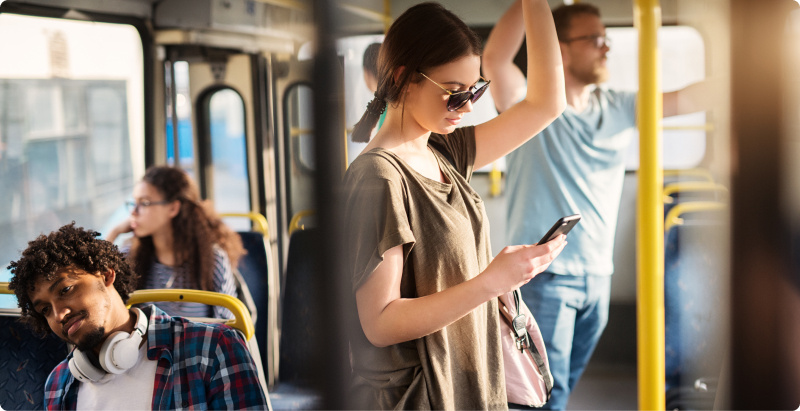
<point x="293" y="389"/>
<point x="25" y="361"/>
<point x="241" y="321"/>
<point x="694" y="301"/>
<point x="254" y="273"/>
<point x="256" y="277"/>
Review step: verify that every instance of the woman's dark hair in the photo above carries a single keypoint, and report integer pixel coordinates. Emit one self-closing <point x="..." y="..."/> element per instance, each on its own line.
<point x="195" y="230"/>
<point x="48" y="255"/>
<point x="562" y="17"/>
<point x="427" y="35"/>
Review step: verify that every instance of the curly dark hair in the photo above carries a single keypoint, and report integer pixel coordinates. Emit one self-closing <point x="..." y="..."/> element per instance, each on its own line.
<point x="70" y="246"/>
<point x="197" y="228"/>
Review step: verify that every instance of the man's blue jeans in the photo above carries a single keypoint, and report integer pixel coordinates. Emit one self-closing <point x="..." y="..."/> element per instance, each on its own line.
<point x="572" y="312"/>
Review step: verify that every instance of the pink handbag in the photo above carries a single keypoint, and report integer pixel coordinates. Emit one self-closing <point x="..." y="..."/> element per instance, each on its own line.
<point x="528" y="378"/>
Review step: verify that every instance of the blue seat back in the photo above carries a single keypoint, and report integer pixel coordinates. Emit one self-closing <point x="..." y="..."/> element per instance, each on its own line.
<point x="297" y="334"/>
<point x="25" y="362"/>
<point x="255" y="271"/>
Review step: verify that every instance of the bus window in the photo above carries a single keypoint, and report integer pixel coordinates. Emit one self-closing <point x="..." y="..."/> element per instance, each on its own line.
<point x="107" y="107"/>
<point x="357" y="95"/>
<point x="177" y="78"/>
<point x="71" y="126"/>
<point x="682" y="63"/>
<point x="300" y="146"/>
<point x="226" y="131"/>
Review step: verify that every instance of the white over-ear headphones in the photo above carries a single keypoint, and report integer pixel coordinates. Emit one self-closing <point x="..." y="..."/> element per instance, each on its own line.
<point x="119" y="353"/>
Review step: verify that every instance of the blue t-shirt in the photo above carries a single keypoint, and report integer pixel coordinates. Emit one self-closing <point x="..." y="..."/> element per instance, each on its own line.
<point x="575" y="165"/>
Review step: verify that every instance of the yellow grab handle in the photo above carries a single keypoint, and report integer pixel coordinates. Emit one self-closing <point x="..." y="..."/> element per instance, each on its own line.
<point x="673" y="216"/>
<point x="294" y="225"/>
<point x="259" y="220"/>
<point x="241" y="321"/>
<point x="696" y="172"/>
<point x="685" y="186"/>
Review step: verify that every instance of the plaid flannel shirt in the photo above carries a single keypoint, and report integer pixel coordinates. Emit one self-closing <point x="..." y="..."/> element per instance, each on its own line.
<point x="200" y="366"/>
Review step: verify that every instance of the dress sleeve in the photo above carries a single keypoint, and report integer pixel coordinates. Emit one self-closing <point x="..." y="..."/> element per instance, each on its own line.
<point x="376" y="219"/>
<point x="223" y="280"/>
<point x="234" y="383"/>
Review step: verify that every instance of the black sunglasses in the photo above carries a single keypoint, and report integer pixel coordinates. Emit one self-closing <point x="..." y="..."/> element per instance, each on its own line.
<point x="459" y="98"/>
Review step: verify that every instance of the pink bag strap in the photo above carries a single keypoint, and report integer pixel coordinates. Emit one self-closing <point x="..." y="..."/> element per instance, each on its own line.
<point x="523" y="342"/>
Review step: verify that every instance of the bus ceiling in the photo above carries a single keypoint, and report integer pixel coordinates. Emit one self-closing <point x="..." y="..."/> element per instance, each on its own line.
<point x="289" y="19"/>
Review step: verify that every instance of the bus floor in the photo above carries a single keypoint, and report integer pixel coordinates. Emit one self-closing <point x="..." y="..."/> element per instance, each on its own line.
<point x="609" y="381"/>
<point x="605" y="387"/>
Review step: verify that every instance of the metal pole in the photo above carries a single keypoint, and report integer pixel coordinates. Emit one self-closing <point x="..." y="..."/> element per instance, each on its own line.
<point x="650" y="213"/>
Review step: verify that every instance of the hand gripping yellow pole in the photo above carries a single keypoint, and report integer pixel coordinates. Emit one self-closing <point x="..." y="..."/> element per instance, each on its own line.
<point x="650" y="213"/>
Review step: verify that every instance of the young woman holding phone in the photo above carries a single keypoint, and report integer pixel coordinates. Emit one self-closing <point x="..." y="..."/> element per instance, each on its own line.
<point x="424" y="281"/>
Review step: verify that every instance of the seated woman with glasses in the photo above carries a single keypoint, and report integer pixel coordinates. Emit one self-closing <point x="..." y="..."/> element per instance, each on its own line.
<point x="179" y="241"/>
<point x="423" y="279"/>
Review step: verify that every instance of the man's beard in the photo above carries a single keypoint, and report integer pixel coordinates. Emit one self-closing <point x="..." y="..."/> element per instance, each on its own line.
<point x="92" y="339"/>
<point x="595" y="75"/>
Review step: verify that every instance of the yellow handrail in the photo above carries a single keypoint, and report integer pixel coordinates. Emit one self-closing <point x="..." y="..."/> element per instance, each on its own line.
<point x="296" y="132"/>
<point x="697" y="172"/>
<point x="690" y="186"/>
<point x="260" y="222"/>
<point x="704" y="127"/>
<point x="241" y="321"/>
<point x="4" y="288"/>
<point x="650" y="215"/>
<point x="673" y="216"/>
<point x="294" y="224"/>
<point x="495" y="179"/>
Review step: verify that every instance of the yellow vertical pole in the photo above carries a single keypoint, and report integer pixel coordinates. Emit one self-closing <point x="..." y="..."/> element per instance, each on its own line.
<point x="650" y="213"/>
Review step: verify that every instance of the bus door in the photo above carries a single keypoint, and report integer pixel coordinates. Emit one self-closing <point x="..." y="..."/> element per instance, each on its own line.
<point x="217" y="128"/>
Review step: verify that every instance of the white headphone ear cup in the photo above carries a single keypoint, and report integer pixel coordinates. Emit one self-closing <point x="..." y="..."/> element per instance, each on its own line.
<point x="82" y="369"/>
<point x="116" y="356"/>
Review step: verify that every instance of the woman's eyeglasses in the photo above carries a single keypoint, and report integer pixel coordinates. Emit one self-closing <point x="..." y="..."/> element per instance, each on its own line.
<point x="134" y="206"/>
<point x="598" y="40"/>
<point x="459" y="98"/>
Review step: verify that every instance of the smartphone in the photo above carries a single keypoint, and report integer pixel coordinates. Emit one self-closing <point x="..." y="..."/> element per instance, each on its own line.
<point x="562" y="226"/>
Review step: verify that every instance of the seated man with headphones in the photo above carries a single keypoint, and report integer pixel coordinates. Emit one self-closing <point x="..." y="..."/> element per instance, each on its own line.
<point x="76" y="285"/>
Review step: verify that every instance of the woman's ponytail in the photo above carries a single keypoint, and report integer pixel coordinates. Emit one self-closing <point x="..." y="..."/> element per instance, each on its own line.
<point x="363" y="129"/>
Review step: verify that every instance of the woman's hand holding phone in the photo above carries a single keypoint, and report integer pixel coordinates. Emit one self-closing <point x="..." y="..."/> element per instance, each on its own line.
<point x="515" y="265"/>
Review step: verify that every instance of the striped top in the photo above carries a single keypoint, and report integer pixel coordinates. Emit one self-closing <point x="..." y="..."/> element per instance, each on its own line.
<point x="222" y="282"/>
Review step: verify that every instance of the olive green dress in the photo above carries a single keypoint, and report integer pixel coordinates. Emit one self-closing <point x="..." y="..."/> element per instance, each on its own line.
<point x="444" y="232"/>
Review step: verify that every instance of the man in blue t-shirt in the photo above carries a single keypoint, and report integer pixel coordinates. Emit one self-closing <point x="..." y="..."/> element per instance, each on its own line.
<point x="575" y="165"/>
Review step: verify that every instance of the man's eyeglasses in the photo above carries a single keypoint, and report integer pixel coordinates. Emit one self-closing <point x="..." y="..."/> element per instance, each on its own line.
<point x="134" y="206"/>
<point x="598" y="40"/>
<point x="459" y="98"/>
